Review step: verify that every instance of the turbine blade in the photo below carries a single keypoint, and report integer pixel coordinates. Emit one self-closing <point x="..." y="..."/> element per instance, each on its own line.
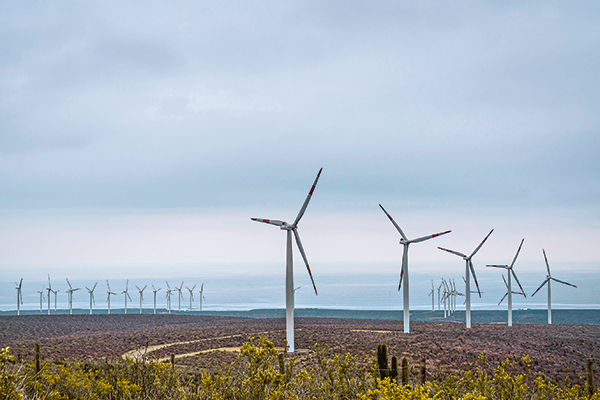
<point x="310" y="193"/>
<point x="517" y="255"/>
<point x="71" y="287"/>
<point x="543" y="283"/>
<point x="422" y="239"/>
<point x="268" y="221"/>
<point x="299" y="243"/>
<point x="559" y="281"/>
<point x="519" y="283"/>
<point x="475" y="276"/>
<point x="481" y="244"/>
<point x="401" y="275"/>
<point x="453" y="252"/>
<point x="395" y="224"/>
<point x="403" y="268"/>
<point x="506" y="294"/>
<point x="497" y="266"/>
<point x="95" y="284"/>
<point x="505" y="283"/>
<point x="546" y="259"/>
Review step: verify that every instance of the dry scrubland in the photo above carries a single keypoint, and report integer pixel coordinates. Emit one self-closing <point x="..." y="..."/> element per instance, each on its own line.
<point x="557" y="351"/>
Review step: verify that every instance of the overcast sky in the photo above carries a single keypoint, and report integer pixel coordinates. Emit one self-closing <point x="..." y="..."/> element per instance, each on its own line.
<point x="150" y="132"/>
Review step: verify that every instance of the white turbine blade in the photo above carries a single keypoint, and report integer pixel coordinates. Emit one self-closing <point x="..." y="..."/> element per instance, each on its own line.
<point x="107" y="285"/>
<point x="71" y="287"/>
<point x="268" y="221"/>
<point x="517" y="255"/>
<point x="481" y="244"/>
<point x="518" y="283"/>
<point x="506" y="294"/>
<point x="128" y="295"/>
<point x="299" y="243"/>
<point x="202" y="287"/>
<point x="94" y="288"/>
<point x="546" y="259"/>
<point x="497" y="266"/>
<point x="422" y="239"/>
<point x="145" y="286"/>
<point x="559" y="281"/>
<point x="543" y="283"/>
<point x="194" y="287"/>
<point x="453" y="252"/>
<point x="20" y="283"/>
<point x="310" y="193"/>
<point x="475" y="276"/>
<point x="395" y="224"/>
<point x="138" y="288"/>
<point x="505" y="283"/>
<point x="402" y="271"/>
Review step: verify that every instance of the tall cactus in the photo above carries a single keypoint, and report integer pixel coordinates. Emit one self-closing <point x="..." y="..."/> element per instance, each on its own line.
<point x="404" y="371"/>
<point x="382" y="361"/>
<point x="423" y="368"/>
<point x="590" y="376"/>
<point x="394" y="370"/>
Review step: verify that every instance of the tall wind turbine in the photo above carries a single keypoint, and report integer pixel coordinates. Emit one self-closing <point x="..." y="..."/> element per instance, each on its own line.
<point x="548" y="279"/>
<point x="141" y="295"/>
<point x="432" y="294"/>
<point x="191" y="295"/>
<point x="70" y="291"/>
<point x="289" y="263"/>
<point x="168" y="296"/>
<point x="511" y="271"/>
<point x="469" y="267"/>
<point x="126" y="294"/>
<point x="42" y="298"/>
<point x="49" y="289"/>
<point x="155" y="290"/>
<point x="108" y="294"/>
<point x="55" y="296"/>
<point x="180" y="295"/>
<point x="91" y="292"/>
<point x="404" y="270"/>
<point x="19" y="296"/>
<point x="201" y="291"/>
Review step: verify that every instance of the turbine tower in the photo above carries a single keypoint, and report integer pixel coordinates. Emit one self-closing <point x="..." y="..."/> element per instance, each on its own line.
<point x="511" y="271"/>
<point x="469" y="267"/>
<point x="168" y="296"/>
<point x="126" y="294"/>
<point x="180" y="295"/>
<point x="155" y="290"/>
<point x="289" y="263"/>
<point x="191" y="295"/>
<point x="92" y="299"/>
<point x="42" y="298"/>
<point x="548" y="279"/>
<point x="141" y="295"/>
<point x="432" y="294"/>
<point x="201" y="291"/>
<point x="19" y="296"/>
<point x="108" y="293"/>
<point x="404" y="241"/>
<point x="49" y="289"/>
<point x="70" y="291"/>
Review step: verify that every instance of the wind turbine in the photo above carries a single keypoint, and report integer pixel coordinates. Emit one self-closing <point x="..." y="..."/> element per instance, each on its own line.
<point x="49" y="289"/>
<point x="92" y="299"/>
<point x="469" y="267"/>
<point x="289" y="263"/>
<point x="201" y="291"/>
<point x="168" y="296"/>
<point x="180" y="295"/>
<point x="70" y="291"/>
<point x="55" y="296"/>
<point x="404" y="270"/>
<point x="155" y="290"/>
<point x="548" y="279"/>
<point x="126" y="293"/>
<point x="42" y="297"/>
<point x="141" y="295"/>
<point x="432" y="294"/>
<point x="191" y="295"/>
<point x="511" y="271"/>
<point x="19" y="296"/>
<point x="108" y="293"/>
<point x="439" y="290"/>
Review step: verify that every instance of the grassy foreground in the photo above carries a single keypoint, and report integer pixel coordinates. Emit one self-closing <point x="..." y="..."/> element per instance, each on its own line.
<point x="260" y="372"/>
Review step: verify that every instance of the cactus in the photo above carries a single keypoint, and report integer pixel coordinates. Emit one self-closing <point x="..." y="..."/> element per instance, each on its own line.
<point x="37" y="358"/>
<point x="590" y="376"/>
<point x="281" y="364"/>
<point x="423" y="370"/>
<point x="382" y="361"/>
<point x="172" y="359"/>
<point x="394" y="370"/>
<point x="404" y="371"/>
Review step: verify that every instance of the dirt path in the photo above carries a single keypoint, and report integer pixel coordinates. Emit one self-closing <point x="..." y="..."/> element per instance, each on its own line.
<point x="138" y="353"/>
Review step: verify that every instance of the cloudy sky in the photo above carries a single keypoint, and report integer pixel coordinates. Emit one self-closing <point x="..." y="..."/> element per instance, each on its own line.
<point x="150" y="132"/>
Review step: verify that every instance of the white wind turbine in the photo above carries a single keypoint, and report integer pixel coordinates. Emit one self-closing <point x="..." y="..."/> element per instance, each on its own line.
<point x="439" y="290"/>
<point x="201" y="291"/>
<point x="42" y="298"/>
<point x="92" y="299"/>
<point x="141" y="295"/>
<point x="49" y="289"/>
<point x="289" y="264"/>
<point x="108" y="294"/>
<point x="432" y="294"/>
<point x="126" y="294"/>
<point x="180" y="295"/>
<point x="191" y="295"/>
<point x="155" y="290"/>
<point x="168" y="296"/>
<point x="19" y="296"/>
<point x="55" y="297"/>
<point x="70" y="291"/>
<point x="511" y="271"/>
<point x="469" y="267"/>
<point x="404" y="241"/>
<point x="548" y="279"/>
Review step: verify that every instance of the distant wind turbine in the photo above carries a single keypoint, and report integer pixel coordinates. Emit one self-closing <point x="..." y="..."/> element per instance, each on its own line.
<point x="191" y="295"/>
<point x="91" y="292"/>
<point x="511" y="271"/>
<point x="108" y="294"/>
<point x="289" y="264"/>
<point x="507" y="290"/>
<point x="548" y="279"/>
<point x="432" y="294"/>
<point x="180" y="295"/>
<point x="141" y="295"/>
<point x="49" y="289"/>
<point x="201" y="291"/>
<point x="469" y="267"/>
<point x="55" y="296"/>
<point x="42" y="298"/>
<point x="70" y="291"/>
<point x="126" y="294"/>
<point x="169" y="291"/>
<point x="404" y="241"/>
<point x="19" y="296"/>
<point x="155" y="290"/>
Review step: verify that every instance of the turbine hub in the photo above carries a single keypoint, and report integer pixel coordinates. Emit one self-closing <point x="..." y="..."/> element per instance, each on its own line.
<point x="286" y="227"/>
